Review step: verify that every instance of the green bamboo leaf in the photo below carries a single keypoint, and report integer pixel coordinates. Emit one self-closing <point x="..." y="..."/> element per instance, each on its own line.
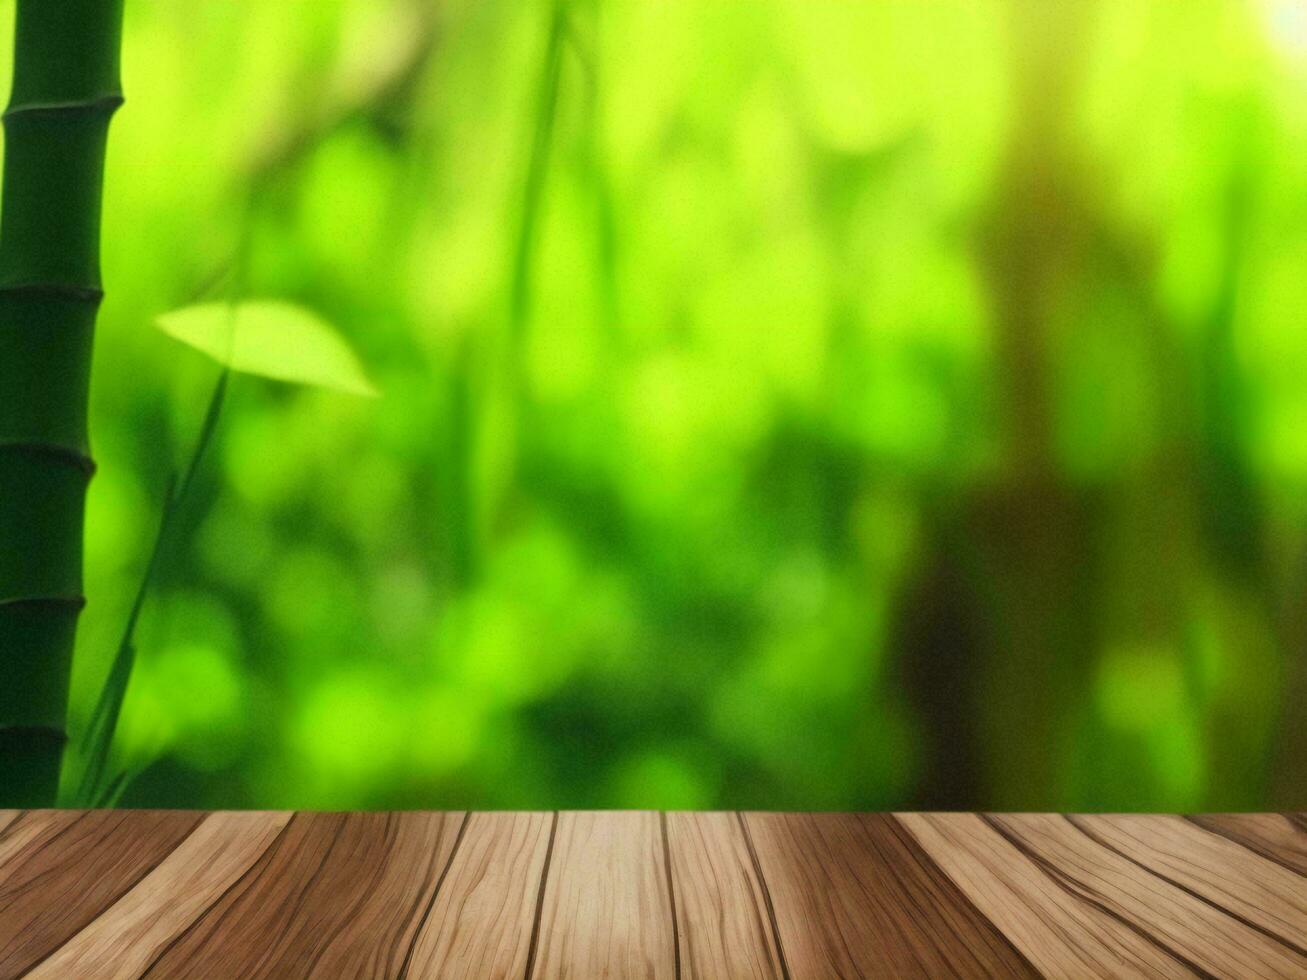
<point x="113" y="792"/>
<point x="98" y="740"/>
<point x="272" y="339"/>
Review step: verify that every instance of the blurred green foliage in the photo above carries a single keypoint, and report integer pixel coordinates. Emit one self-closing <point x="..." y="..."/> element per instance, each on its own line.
<point x="784" y="404"/>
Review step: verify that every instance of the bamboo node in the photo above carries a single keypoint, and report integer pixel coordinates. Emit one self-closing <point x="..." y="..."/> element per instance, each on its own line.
<point x="74" y="602"/>
<point x="56" y="290"/>
<point x="34" y="731"/>
<point x="56" y="453"/>
<point x="105" y="105"/>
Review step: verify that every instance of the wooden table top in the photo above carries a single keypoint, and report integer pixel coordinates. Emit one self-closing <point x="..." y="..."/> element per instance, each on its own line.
<point x="645" y="894"/>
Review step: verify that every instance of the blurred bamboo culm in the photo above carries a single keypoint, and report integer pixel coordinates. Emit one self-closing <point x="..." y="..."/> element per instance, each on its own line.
<point x="65" y="90"/>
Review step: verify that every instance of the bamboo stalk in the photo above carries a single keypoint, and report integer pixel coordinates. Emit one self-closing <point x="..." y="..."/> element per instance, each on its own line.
<point x="65" y="90"/>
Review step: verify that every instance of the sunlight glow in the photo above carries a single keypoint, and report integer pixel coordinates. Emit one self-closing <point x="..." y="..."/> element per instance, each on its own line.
<point x="1286" y="21"/>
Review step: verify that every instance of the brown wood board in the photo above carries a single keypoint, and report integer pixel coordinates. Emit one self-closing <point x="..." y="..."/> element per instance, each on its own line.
<point x="125" y="894"/>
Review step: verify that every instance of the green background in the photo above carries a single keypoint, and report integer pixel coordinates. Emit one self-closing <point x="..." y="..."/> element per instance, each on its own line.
<point x="785" y="404"/>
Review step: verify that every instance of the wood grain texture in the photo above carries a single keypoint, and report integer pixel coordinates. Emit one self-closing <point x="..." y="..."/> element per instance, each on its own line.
<point x="1184" y="925"/>
<point x="1266" y="896"/>
<point x="606" y="906"/>
<point x="134" y="931"/>
<point x="481" y="922"/>
<point x="1056" y="929"/>
<point x="724" y="919"/>
<point x="1278" y="837"/>
<point x="335" y="895"/>
<point x="128" y="894"/>
<point x="856" y="896"/>
<point x="60" y="870"/>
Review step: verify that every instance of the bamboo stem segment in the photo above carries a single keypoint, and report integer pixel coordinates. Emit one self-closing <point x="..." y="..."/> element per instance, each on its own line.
<point x="65" y="90"/>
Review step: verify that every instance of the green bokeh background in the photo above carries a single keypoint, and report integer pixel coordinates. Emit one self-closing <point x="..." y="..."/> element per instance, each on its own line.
<point x="785" y="404"/>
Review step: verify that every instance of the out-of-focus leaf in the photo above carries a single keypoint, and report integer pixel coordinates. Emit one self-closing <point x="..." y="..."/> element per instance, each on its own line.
<point x="273" y="339"/>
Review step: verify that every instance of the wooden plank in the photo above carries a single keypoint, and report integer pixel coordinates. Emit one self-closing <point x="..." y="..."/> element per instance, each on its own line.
<point x="60" y="869"/>
<point x="1056" y="929"/>
<point x="723" y="912"/>
<point x="7" y="817"/>
<point x="1265" y="895"/>
<point x="1188" y="927"/>
<point x="1279" y="837"/>
<point x="855" y="895"/>
<point x="127" y="938"/>
<point x="375" y="937"/>
<point x="606" y="906"/>
<point x="480" y="924"/>
<point x="335" y="895"/>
